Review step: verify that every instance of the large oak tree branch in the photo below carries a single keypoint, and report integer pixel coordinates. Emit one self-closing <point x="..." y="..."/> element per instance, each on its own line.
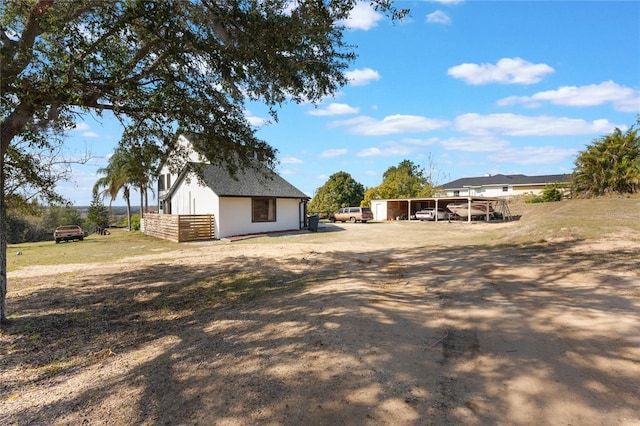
<point x="13" y="124"/>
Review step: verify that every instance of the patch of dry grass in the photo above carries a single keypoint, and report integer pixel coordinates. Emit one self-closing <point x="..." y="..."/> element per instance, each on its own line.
<point x="573" y="219"/>
<point x="94" y="249"/>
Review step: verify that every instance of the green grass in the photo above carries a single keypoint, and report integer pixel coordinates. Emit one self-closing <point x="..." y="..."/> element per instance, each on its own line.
<point x="94" y="249"/>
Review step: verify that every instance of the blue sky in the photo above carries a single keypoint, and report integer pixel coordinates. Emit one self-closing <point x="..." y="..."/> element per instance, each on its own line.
<point x="461" y="88"/>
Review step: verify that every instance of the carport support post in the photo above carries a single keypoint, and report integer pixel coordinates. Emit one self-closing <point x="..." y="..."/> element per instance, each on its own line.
<point x="469" y="209"/>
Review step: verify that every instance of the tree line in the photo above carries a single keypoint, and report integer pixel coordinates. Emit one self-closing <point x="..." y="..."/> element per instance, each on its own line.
<point x="39" y="222"/>
<point x="406" y="180"/>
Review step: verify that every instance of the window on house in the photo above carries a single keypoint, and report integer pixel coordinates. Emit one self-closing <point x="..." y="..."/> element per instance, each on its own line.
<point x="168" y="181"/>
<point x="161" y="183"/>
<point x="263" y="209"/>
<point x="456" y="193"/>
<point x="505" y="189"/>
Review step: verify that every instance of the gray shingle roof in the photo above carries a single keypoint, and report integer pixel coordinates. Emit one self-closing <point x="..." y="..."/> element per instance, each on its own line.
<point x="255" y="182"/>
<point x="506" y="180"/>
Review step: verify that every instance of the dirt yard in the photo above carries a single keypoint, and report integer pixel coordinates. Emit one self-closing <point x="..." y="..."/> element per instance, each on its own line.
<point x="359" y="324"/>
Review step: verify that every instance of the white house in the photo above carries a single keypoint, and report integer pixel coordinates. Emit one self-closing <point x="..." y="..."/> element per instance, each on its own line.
<point x="256" y="200"/>
<point x="500" y="185"/>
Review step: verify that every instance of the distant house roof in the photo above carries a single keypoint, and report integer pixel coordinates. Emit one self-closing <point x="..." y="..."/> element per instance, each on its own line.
<point x="257" y="181"/>
<point x="499" y="179"/>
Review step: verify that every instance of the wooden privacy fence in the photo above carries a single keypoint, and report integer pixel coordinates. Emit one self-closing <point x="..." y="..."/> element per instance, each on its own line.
<point x="179" y="227"/>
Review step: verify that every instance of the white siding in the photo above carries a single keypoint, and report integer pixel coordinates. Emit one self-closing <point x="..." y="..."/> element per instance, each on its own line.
<point x="235" y="217"/>
<point x="496" y="191"/>
<point x="194" y="156"/>
<point x="485" y="191"/>
<point x="232" y="214"/>
<point x="192" y="198"/>
<point x="164" y="172"/>
<point x="379" y="209"/>
<point x="173" y="177"/>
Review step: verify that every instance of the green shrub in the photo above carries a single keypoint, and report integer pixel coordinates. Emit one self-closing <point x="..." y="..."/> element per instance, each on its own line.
<point x="551" y="192"/>
<point x="135" y="222"/>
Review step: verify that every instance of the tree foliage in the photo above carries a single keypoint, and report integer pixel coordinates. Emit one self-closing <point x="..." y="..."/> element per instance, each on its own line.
<point x="97" y="214"/>
<point x="118" y="176"/>
<point x="164" y="66"/>
<point x="140" y="162"/>
<point x="17" y="228"/>
<point x="38" y="223"/>
<point x="31" y="176"/>
<point x="161" y="64"/>
<point x="340" y="190"/>
<point x="407" y="180"/>
<point x="611" y="164"/>
<point x="551" y="192"/>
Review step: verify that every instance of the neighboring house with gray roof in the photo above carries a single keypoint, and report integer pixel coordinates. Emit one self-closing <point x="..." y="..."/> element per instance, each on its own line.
<point x="256" y="200"/>
<point x="500" y="185"/>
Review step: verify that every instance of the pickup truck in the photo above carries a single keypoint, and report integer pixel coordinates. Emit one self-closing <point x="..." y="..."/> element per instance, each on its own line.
<point x="68" y="233"/>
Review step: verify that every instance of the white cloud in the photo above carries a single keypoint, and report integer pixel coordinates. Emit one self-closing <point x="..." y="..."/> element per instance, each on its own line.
<point x="532" y="155"/>
<point x="438" y="17"/>
<point x="291" y="160"/>
<point x="406" y="146"/>
<point x="255" y="121"/>
<point x="447" y="2"/>
<point x="81" y="126"/>
<point x="331" y="153"/>
<point x="388" y="149"/>
<point x="393" y="124"/>
<point x="334" y="109"/>
<point x="420" y="142"/>
<point x="474" y="144"/>
<point x="288" y="172"/>
<point x="362" y="77"/>
<point x="622" y="98"/>
<point x="90" y="135"/>
<point x="506" y="71"/>
<point x="362" y="17"/>
<point x="520" y="125"/>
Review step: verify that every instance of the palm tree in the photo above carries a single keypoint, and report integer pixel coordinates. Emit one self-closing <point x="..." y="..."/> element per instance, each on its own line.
<point x="141" y="162"/>
<point x="611" y="164"/>
<point x="133" y="164"/>
<point x="116" y="177"/>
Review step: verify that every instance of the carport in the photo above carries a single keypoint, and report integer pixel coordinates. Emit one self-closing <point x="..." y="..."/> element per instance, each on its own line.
<point x="405" y="208"/>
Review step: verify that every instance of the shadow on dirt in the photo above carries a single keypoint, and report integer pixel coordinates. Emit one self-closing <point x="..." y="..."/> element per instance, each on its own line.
<point x="437" y="336"/>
